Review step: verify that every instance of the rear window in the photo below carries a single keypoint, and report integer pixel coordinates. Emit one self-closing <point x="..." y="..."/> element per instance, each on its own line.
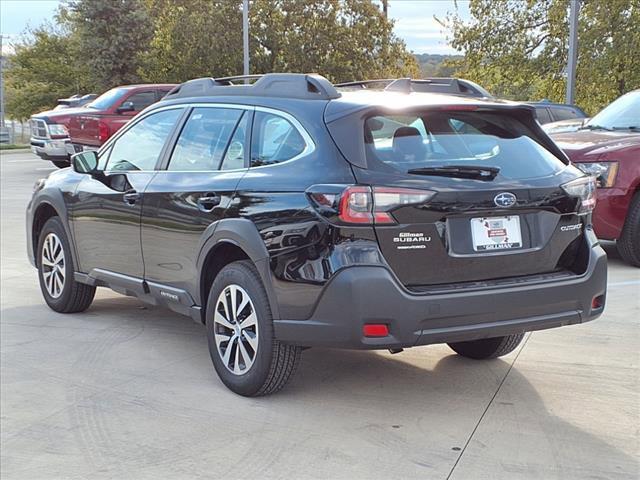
<point x="441" y="138"/>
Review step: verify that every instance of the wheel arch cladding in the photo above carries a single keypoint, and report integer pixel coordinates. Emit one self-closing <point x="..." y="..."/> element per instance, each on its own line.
<point x="232" y="240"/>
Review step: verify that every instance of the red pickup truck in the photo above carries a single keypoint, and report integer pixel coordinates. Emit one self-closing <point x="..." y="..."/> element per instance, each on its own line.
<point x="103" y="117"/>
<point x="608" y="147"/>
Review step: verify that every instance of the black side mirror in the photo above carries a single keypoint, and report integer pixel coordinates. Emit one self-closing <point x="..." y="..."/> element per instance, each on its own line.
<point x="126" y="107"/>
<point x="85" y="162"/>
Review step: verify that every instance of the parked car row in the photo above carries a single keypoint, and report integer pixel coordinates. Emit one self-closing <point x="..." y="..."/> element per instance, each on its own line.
<point x="56" y="134"/>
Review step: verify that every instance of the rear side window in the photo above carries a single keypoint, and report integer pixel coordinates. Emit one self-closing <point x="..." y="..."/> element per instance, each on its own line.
<point x="139" y="147"/>
<point x="204" y="139"/>
<point x="274" y="140"/>
<point x="441" y="138"/>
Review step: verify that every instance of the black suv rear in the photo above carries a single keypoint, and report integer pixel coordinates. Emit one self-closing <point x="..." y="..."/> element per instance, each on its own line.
<point x="285" y="214"/>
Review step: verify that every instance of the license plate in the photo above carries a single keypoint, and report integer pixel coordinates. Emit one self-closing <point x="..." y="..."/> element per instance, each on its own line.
<point x="496" y="233"/>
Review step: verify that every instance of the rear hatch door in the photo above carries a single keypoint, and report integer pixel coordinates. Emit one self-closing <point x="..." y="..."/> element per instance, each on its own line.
<point x="497" y="208"/>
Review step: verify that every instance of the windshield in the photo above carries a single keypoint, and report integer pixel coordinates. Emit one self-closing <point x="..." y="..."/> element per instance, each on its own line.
<point x="622" y="114"/>
<point x="107" y="99"/>
<point x="457" y="138"/>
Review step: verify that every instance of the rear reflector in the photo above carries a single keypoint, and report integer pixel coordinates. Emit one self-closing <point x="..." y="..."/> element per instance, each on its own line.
<point x="375" y="330"/>
<point x="597" y="302"/>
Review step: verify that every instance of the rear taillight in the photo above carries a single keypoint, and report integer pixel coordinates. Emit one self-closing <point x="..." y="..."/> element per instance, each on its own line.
<point x="585" y="189"/>
<point x="363" y="205"/>
<point x="103" y="132"/>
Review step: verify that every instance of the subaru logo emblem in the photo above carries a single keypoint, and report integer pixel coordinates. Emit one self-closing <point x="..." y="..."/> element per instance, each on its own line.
<point x="505" y="199"/>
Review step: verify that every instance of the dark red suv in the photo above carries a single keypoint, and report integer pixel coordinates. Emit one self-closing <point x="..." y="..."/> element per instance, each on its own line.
<point x="608" y="147"/>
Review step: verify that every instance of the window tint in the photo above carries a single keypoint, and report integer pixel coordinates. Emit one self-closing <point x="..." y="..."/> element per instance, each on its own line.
<point x="139" y="147"/>
<point x="542" y="113"/>
<point x="141" y="100"/>
<point x="203" y="139"/>
<point x="274" y="140"/>
<point x="564" y="113"/>
<point x="234" y="156"/>
<point x="441" y="138"/>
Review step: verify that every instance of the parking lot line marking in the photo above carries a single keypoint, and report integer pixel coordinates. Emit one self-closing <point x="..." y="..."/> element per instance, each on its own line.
<point x="624" y="284"/>
<point x="464" y="448"/>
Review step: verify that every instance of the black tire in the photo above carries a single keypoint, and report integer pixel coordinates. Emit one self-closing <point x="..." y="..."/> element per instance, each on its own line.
<point x="273" y="363"/>
<point x="487" y="347"/>
<point x="73" y="297"/>
<point x="60" y="163"/>
<point x="629" y="242"/>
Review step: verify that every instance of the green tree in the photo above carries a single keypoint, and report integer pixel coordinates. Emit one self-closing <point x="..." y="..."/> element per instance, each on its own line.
<point x="342" y="39"/>
<point x="518" y="48"/>
<point x="112" y="36"/>
<point x="44" y="67"/>
<point x="193" y="38"/>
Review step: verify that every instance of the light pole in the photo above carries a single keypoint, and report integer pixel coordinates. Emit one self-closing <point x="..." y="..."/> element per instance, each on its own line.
<point x="245" y="37"/>
<point x="1" y="86"/>
<point x="574" y="8"/>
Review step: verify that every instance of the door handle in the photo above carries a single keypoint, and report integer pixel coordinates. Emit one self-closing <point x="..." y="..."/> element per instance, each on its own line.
<point x="208" y="202"/>
<point x="131" y="197"/>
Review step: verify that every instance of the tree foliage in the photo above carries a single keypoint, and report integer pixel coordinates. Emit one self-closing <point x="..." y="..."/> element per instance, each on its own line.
<point x="42" y="70"/>
<point x="99" y="44"/>
<point x="342" y="39"/>
<point x="518" y="48"/>
<point x="193" y="38"/>
<point x="112" y="34"/>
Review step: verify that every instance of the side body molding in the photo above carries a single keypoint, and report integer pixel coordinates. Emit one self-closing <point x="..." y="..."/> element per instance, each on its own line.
<point x="243" y="234"/>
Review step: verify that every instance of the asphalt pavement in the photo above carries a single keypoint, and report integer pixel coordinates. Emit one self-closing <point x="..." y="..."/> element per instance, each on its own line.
<point x="127" y="390"/>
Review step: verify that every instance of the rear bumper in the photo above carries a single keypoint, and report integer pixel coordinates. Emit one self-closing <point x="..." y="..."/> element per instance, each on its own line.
<point x="370" y="294"/>
<point x="49" y="149"/>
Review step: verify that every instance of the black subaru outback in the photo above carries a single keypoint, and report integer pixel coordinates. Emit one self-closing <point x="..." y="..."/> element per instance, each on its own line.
<point x="285" y="214"/>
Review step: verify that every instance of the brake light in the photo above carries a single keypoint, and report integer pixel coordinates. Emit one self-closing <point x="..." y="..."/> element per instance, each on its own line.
<point x="585" y="189"/>
<point x="363" y="205"/>
<point x="103" y="132"/>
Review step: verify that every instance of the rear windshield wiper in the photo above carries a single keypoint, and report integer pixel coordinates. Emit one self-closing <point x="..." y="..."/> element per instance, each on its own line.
<point x="459" y="171"/>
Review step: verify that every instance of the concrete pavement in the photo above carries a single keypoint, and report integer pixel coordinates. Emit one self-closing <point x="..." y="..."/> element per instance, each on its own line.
<point x="125" y="390"/>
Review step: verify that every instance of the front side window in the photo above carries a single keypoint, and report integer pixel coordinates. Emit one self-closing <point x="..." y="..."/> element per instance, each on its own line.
<point x="274" y="140"/>
<point x="140" y="146"/>
<point x="204" y="139"/>
<point x="141" y="100"/>
<point x="448" y="138"/>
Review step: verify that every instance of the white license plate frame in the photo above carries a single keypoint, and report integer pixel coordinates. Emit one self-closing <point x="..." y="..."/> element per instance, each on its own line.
<point x="490" y="234"/>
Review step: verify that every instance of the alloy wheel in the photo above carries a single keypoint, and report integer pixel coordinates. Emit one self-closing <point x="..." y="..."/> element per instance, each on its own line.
<point x="53" y="265"/>
<point x="236" y="329"/>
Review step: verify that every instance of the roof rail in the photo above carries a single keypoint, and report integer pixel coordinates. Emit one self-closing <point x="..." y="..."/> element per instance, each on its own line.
<point x="288" y="85"/>
<point x="451" y="86"/>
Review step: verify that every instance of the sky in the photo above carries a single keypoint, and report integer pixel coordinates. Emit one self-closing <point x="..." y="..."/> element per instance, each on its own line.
<point x="414" y="21"/>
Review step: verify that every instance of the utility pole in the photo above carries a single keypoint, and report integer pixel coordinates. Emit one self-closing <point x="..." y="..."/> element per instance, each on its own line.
<point x="1" y="86"/>
<point x="385" y="8"/>
<point x="574" y="8"/>
<point x="245" y="37"/>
